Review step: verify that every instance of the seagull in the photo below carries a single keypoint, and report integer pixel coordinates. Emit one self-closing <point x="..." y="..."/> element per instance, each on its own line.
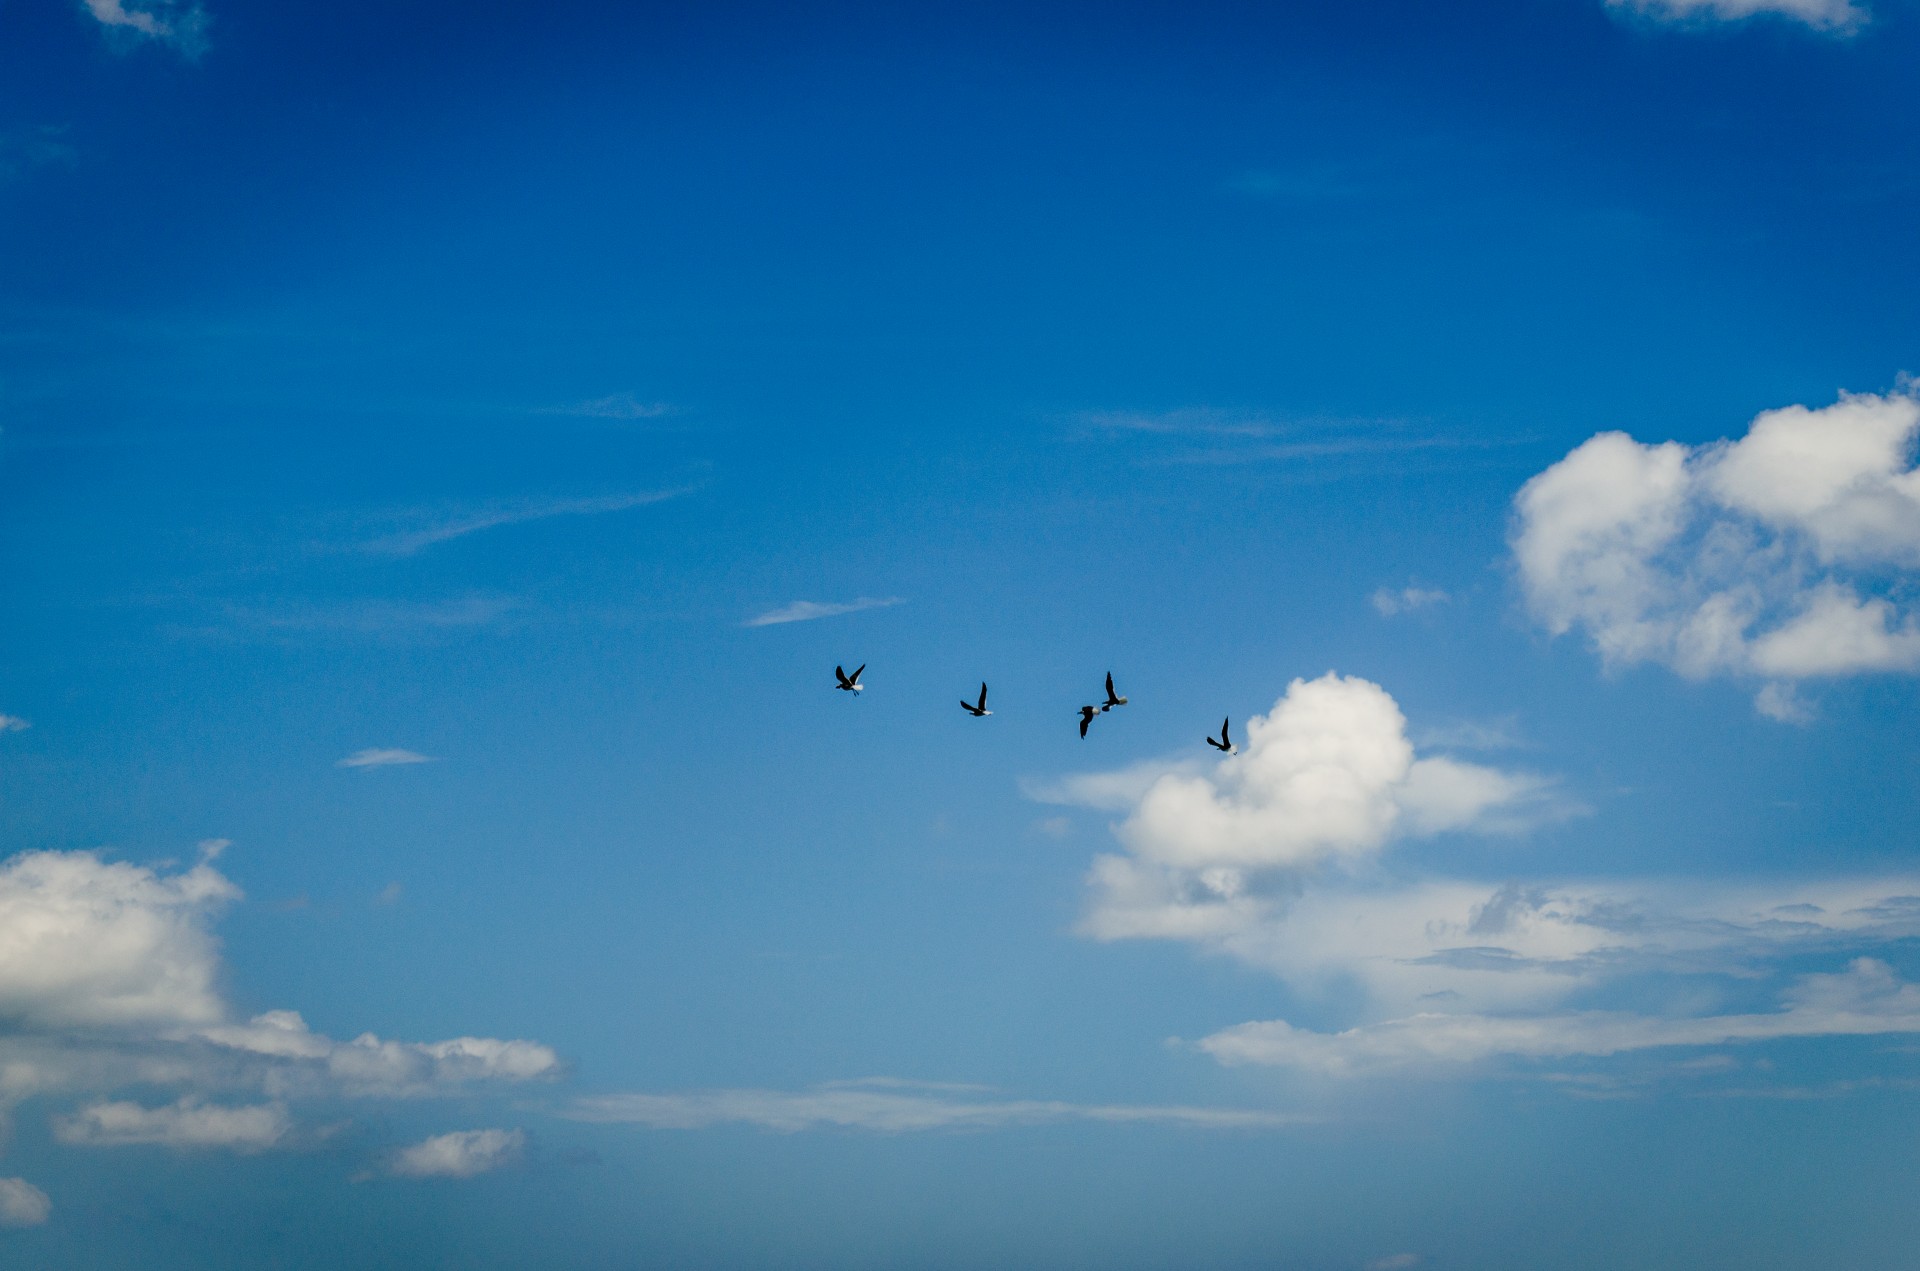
<point x="849" y="683"/>
<point x="1225" y="744"/>
<point x="981" y="710"/>
<point x="1086" y="717"/>
<point x="1112" y="701"/>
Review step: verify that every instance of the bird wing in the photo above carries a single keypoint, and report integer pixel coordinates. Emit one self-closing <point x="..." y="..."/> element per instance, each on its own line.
<point x="983" y="695"/>
<point x="1109" y="685"/>
<point x="1084" y="721"/>
<point x="856" y="672"/>
<point x="840" y="674"/>
<point x="1224" y="734"/>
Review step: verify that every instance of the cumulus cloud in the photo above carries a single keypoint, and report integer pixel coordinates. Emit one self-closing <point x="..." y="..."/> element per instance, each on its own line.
<point x="1866" y="999"/>
<point x="186" y="1124"/>
<point x="461" y="1154"/>
<point x="1837" y="16"/>
<point x="808" y="610"/>
<point x="109" y="979"/>
<point x="381" y="757"/>
<point x="1327" y="779"/>
<point x="1389" y="603"/>
<point x="889" y="1106"/>
<point x="22" y="1204"/>
<point x="183" y="25"/>
<point x="90" y="942"/>
<point x="1775" y="556"/>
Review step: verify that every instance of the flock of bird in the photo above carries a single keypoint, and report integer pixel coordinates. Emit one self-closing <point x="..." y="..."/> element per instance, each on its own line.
<point x="978" y="709"/>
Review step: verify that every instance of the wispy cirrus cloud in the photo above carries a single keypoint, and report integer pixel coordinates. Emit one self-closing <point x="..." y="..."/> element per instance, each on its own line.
<point x="13" y="724"/>
<point x="891" y="1106"/>
<point x="614" y="406"/>
<point x="446" y="527"/>
<point x="382" y="757"/>
<point x="1837" y="17"/>
<point x="180" y="23"/>
<point x="808" y="610"/>
<point x="1215" y="437"/>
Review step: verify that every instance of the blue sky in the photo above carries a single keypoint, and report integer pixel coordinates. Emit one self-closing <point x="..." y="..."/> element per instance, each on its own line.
<point x="445" y="450"/>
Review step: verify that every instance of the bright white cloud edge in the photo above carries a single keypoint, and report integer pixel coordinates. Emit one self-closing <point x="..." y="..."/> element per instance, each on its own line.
<point x="382" y="757"/>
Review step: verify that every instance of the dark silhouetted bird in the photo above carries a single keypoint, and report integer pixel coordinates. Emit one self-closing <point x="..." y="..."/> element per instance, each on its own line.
<point x="1112" y="701"/>
<point x="849" y="683"/>
<point x="980" y="711"/>
<point x="1225" y="744"/>
<point x="1086" y="717"/>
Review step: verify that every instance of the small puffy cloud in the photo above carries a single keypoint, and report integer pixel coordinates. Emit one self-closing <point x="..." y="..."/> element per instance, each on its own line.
<point x="92" y="943"/>
<point x="389" y="895"/>
<point x="461" y="1154"/>
<point x="186" y="1124"/>
<point x="808" y="610"/>
<point x="13" y="724"/>
<point x="1329" y="773"/>
<point x="1864" y="1000"/>
<point x="1394" y="1262"/>
<point x="888" y="1106"/>
<point x="183" y="25"/>
<point x="22" y="1204"/>
<point x="1779" y="556"/>
<point x="1389" y="603"/>
<point x="382" y="757"/>
<point x="1837" y="16"/>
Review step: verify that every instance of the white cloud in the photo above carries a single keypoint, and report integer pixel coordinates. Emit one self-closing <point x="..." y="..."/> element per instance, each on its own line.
<point x="183" y="25"/>
<point x="22" y="1204"/>
<point x="88" y="942"/>
<point x="443" y="528"/>
<point x="461" y="1154"/>
<point x="1866" y="999"/>
<point x="1758" y="557"/>
<point x="312" y="1062"/>
<point x="381" y="757"/>
<point x="1839" y="16"/>
<point x="808" y="610"/>
<point x="1394" y="1262"/>
<point x="1328" y="778"/>
<point x="614" y="406"/>
<point x="186" y="1124"/>
<point x="109" y="978"/>
<point x="888" y="1106"/>
<point x="13" y="724"/>
<point x="1389" y="603"/>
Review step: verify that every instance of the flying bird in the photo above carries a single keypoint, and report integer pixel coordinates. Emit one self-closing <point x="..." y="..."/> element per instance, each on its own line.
<point x="1086" y="717"/>
<point x="1225" y="744"/>
<point x="849" y="683"/>
<point x="980" y="711"/>
<point x="1112" y="700"/>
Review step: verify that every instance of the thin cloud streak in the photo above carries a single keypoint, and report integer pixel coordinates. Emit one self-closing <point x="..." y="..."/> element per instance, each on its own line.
<point x="411" y="541"/>
<point x="379" y="757"/>
<point x="883" y="1106"/>
<point x="808" y="610"/>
